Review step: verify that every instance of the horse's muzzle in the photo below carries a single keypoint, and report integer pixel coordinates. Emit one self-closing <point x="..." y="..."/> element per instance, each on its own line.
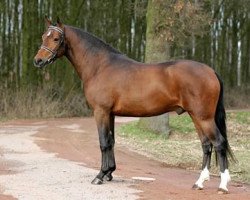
<point x="39" y="62"/>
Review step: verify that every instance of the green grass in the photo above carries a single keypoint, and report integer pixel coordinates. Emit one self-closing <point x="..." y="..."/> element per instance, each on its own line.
<point x="3" y="119"/>
<point x="240" y="117"/>
<point x="181" y="124"/>
<point x="173" y="151"/>
<point x="183" y="148"/>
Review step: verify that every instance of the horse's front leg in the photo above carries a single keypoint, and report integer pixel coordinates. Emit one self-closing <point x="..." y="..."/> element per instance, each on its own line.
<point x="106" y="139"/>
<point x="108" y="176"/>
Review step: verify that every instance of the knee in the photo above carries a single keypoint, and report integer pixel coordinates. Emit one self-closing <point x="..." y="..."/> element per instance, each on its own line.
<point x="106" y="147"/>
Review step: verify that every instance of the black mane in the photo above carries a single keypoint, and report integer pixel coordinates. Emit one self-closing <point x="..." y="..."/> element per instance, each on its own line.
<point x="94" y="43"/>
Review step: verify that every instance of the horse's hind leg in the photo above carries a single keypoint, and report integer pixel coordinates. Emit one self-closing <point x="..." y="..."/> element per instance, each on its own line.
<point x="221" y="148"/>
<point x="207" y="152"/>
<point x="106" y="140"/>
<point x="204" y="176"/>
<point x="211" y="131"/>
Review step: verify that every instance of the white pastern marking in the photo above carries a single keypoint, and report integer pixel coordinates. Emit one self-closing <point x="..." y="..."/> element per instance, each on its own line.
<point x="225" y="178"/>
<point x="48" y="34"/>
<point x="204" y="176"/>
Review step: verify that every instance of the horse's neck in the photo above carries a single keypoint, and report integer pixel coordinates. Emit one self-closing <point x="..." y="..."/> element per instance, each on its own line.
<point x="85" y="63"/>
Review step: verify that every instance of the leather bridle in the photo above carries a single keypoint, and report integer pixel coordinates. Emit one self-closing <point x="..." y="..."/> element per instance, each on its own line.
<point x="54" y="52"/>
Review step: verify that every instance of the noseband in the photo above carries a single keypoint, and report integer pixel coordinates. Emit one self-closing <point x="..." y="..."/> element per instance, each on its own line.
<point x="54" y="52"/>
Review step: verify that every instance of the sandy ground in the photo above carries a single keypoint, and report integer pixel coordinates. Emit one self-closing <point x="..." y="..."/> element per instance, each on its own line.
<point x="57" y="159"/>
<point x="37" y="174"/>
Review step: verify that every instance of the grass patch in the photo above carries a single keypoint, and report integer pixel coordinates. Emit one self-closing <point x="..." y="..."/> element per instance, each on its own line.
<point x="181" y="124"/>
<point x="172" y="151"/>
<point x="239" y="117"/>
<point x="183" y="149"/>
<point x="2" y="119"/>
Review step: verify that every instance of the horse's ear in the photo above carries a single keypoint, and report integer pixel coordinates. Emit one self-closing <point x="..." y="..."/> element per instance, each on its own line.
<point x="59" y="23"/>
<point x="47" y="21"/>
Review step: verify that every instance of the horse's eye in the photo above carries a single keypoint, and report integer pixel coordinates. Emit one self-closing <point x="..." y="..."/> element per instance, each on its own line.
<point x="56" y="39"/>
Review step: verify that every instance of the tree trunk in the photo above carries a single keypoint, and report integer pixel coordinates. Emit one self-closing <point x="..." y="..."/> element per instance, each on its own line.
<point x="157" y="50"/>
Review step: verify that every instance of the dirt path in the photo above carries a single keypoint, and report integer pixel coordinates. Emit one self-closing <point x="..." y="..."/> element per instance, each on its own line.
<point x="51" y="159"/>
<point x="34" y="174"/>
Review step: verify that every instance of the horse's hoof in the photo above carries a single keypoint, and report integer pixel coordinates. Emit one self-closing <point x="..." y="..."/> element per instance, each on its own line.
<point x="108" y="177"/>
<point x="196" y="187"/>
<point x="222" y="191"/>
<point x="97" y="181"/>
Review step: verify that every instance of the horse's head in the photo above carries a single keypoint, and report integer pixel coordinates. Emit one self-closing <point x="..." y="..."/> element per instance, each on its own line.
<point x="53" y="44"/>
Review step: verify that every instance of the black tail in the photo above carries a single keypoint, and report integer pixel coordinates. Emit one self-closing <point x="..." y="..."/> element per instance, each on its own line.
<point x="220" y="120"/>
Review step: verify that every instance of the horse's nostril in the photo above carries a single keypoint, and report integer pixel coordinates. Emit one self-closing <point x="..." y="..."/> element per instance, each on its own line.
<point x="38" y="61"/>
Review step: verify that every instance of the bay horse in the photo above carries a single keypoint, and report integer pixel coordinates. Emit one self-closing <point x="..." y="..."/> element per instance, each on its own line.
<point x="116" y="85"/>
